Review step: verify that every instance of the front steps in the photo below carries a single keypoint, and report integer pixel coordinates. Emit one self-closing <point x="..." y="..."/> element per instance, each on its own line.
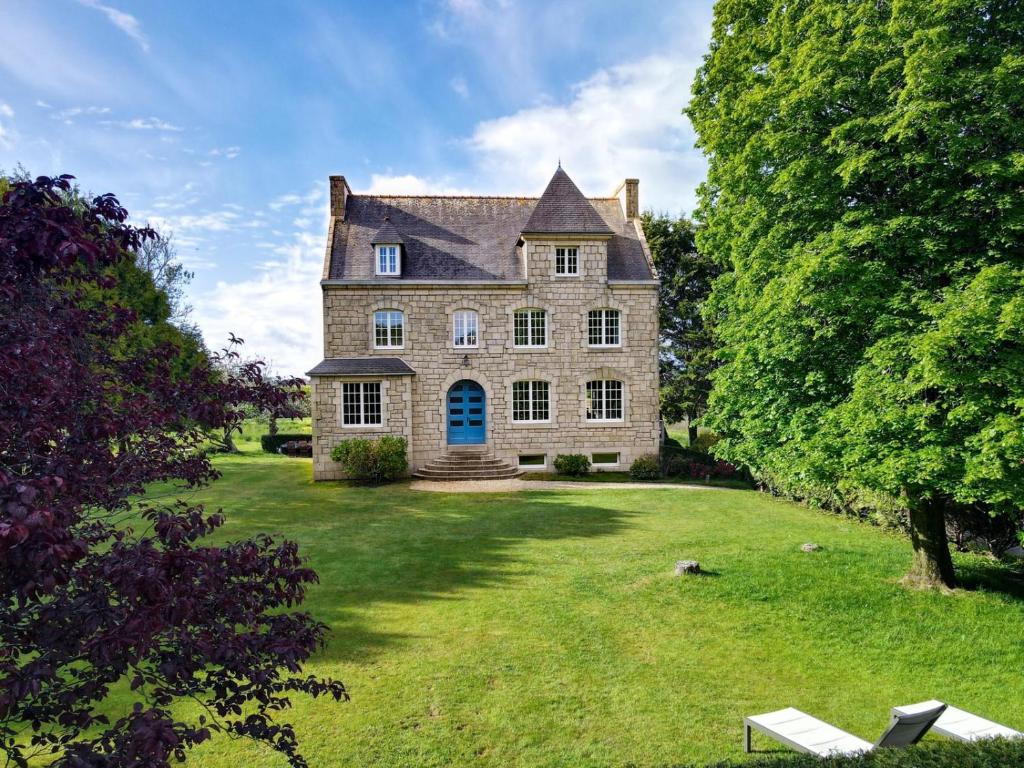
<point x="467" y="464"/>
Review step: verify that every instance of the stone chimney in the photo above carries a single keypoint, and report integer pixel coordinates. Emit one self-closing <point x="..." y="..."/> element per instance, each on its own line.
<point x="632" y="198"/>
<point x="339" y="196"/>
<point x="628" y="193"/>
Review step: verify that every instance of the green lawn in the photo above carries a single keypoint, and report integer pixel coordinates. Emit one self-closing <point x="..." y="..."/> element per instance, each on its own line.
<point x="545" y="627"/>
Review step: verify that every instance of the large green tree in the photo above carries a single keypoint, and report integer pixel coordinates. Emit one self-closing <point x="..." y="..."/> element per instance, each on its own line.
<point x="866" y="191"/>
<point x="686" y="347"/>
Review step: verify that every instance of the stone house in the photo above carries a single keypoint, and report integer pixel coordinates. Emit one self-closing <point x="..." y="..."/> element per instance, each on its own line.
<point x="493" y="333"/>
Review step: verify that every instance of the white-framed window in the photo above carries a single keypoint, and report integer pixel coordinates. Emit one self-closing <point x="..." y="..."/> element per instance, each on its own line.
<point x="530" y="328"/>
<point x="389" y="259"/>
<point x="531" y="401"/>
<point x="360" y="403"/>
<point x="388" y="329"/>
<point x="604" y="459"/>
<point x="533" y="460"/>
<point x="567" y="260"/>
<point x="465" y="326"/>
<point x="604" y="400"/>
<point x="604" y="328"/>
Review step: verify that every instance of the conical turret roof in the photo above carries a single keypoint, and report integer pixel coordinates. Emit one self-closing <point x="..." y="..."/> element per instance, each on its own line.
<point x="563" y="209"/>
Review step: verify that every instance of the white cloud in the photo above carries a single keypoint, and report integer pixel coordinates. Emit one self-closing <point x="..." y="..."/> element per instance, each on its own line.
<point x="42" y="104"/>
<point x="227" y="152"/>
<point x="623" y="121"/>
<point x="7" y="133"/>
<point x="458" y="84"/>
<point x="409" y="184"/>
<point x="65" y="115"/>
<point x="277" y="310"/>
<point x="146" y="124"/>
<point x="123" y="21"/>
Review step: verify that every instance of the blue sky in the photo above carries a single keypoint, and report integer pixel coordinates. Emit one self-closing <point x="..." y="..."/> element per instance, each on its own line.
<point x="219" y="122"/>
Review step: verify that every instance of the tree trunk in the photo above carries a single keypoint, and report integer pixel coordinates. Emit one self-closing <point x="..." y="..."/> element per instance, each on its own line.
<point x="228" y="443"/>
<point x="932" y="565"/>
<point x="272" y="426"/>
<point x="691" y="430"/>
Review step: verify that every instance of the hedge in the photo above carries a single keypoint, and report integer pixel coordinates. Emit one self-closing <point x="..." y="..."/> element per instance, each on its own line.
<point x="272" y="443"/>
<point x="992" y="753"/>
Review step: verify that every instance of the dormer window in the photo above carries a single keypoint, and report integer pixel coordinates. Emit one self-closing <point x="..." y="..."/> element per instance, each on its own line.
<point x="387" y="250"/>
<point x="567" y="261"/>
<point x="389" y="260"/>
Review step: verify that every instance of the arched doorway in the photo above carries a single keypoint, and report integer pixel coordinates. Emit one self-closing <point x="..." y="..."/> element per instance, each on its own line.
<point x="466" y="414"/>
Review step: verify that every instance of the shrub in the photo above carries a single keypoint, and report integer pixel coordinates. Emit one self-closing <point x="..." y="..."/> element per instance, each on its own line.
<point x="701" y="467"/>
<point x="646" y="467"/>
<point x="372" y="461"/>
<point x="273" y="443"/>
<point x="301" y="448"/>
<point x="705" y="442"/>
<point x="970" y="528"/>
<point x="572" y="464"/>
<point x="992" y="753"/>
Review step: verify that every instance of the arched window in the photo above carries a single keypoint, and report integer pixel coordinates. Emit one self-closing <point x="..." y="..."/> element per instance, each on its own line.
<point x="604" y="328"/>
<point x="465" y="327"/>
<point x="530" y="328"/>
<point x="388" y="329"/>
<point x="604" y="400"/>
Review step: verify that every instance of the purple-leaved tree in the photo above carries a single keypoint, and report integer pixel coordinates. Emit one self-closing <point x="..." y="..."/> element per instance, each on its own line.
<point x="98" y="585"/>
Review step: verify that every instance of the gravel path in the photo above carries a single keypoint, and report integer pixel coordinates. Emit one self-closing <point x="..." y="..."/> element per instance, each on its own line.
<point x="510" y="486"/>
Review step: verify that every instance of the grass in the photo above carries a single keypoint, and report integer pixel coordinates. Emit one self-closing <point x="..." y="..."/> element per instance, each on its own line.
<point x="545" y="628"/>
<point x="623" y="477"/>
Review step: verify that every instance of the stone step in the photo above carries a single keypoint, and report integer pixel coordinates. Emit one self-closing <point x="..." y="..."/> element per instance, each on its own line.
<point x="446" y="462"/>
<point x="493" y="474"/>
<point x="495" y="468"/>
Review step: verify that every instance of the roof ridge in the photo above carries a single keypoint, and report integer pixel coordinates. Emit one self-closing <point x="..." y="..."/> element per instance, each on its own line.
<point x="467" y="197"/>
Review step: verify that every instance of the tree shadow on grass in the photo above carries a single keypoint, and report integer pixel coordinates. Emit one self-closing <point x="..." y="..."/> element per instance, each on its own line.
<point x="390" y="547"/>
<point x="991" y="576"/>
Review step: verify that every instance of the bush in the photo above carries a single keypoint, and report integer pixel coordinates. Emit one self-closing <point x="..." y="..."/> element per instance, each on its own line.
<point x="970" y="528"/>
<point x="372" y="461"/>
<point x="993" y="753"/>
<point x="701" y="467"/>
<point x="705" y="442"/>
<point x="572" y="464"/>
<point x="299" y="448"/>
<point x="647" y="467"/>
<point x="273" y="443"/>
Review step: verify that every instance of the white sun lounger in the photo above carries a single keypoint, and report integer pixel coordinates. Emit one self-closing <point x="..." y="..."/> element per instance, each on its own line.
<point x="804" y="733"/>
<point x="962" y="726"/>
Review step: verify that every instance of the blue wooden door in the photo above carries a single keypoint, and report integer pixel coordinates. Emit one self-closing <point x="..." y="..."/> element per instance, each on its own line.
<point x="467" y="414"/>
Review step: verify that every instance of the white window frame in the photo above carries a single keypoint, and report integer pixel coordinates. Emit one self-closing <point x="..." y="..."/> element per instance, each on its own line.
<point x="530" y="313"/>
<point x="616" y="463"/>
<point x="604" y="327"/>
<point x="389" y="313"/>
<point x="531" y="400"/>
<point x="465" y="315"/>
<point x="535" y="467"/>
<point x="604" y="399"/>
<point x="361" y="387"/>
<point x="384" y="253"/>
<point x="563" y="252"/>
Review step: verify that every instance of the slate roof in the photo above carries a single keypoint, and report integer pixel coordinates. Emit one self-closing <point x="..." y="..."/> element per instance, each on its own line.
<point x="387" y="234"/>
<point x="563" y="209"/>
<point x="473" y="238"/>
<point x="361" y="366"/>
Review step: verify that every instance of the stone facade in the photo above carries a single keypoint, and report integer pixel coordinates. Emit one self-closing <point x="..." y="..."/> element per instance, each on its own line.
<point x="414" y="406"/>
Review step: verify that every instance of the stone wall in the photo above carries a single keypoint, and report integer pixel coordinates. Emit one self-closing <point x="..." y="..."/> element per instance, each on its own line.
<point x="567" y="362"/>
